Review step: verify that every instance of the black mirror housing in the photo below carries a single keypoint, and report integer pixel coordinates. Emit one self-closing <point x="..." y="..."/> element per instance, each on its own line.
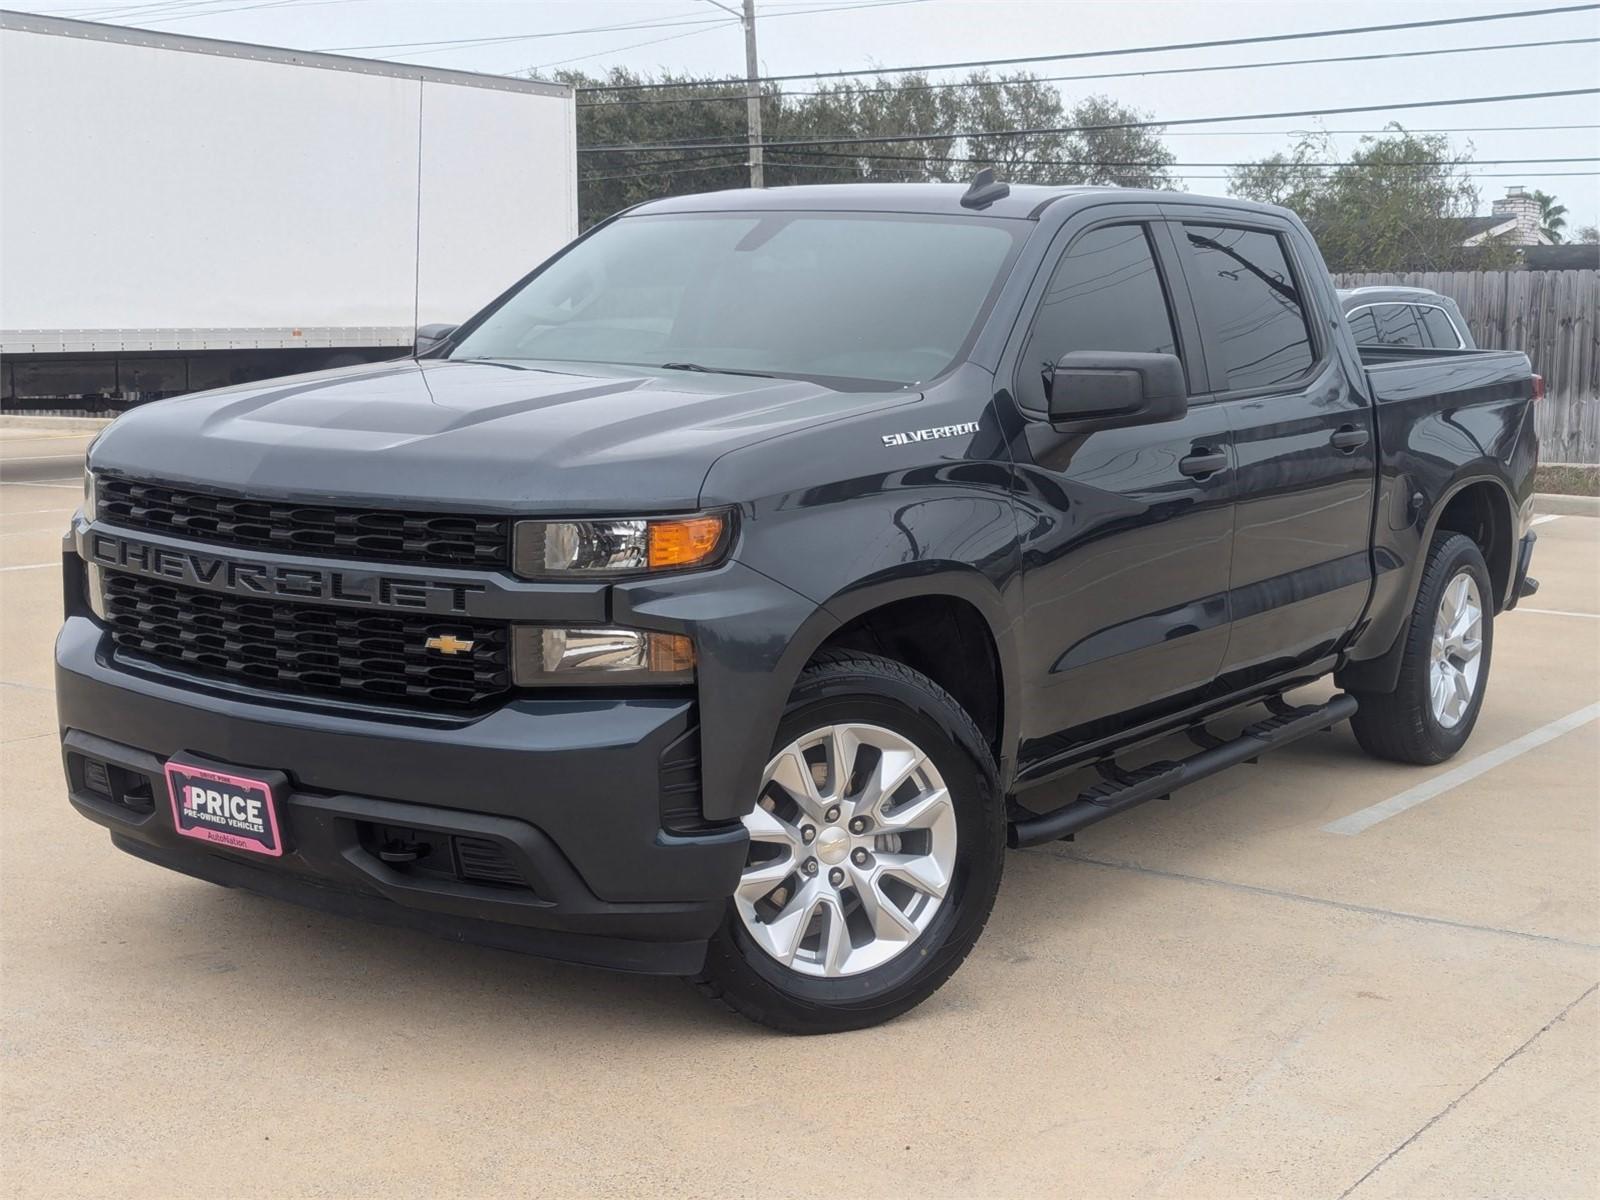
<point x="1107" y="389"/>
<point x="429" y="336"/>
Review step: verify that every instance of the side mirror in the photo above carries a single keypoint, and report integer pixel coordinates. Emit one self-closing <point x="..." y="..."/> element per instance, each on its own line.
<point x="1107" y="389"/>
<point x="429" y="336"/>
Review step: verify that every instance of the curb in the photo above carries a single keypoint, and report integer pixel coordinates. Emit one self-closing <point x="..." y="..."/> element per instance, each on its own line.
<point x="63" y="424"/>
<point x="1548" y="503"/>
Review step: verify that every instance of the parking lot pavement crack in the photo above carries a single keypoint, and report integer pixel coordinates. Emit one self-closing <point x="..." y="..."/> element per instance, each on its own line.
<point x="1454" y="1104"/>
<point x="1301" y="897"/>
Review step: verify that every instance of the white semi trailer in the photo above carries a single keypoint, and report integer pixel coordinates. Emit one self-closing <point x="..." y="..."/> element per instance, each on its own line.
<point x="178" y="213"/>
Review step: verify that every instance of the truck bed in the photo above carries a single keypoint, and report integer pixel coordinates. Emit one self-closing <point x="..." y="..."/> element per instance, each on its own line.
<point x="1409" y="373"/>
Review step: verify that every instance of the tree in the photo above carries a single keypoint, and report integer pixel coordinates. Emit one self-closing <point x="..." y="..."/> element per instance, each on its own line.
<point x="1125" y="157"/>
<point x="939" y="120"/>
<point x="1397" y="203"/>
<point x="1588" y="234"/>
<point x="1294" y="180"/>
<point x="1552" y="216"/>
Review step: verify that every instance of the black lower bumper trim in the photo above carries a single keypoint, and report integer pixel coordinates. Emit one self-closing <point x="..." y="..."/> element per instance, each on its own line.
<point x="1522" y="586"/>
<point x="651" y="958"/>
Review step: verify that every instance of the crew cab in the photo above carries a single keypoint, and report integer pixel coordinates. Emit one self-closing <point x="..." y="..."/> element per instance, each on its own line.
<point x="724" y="598"/>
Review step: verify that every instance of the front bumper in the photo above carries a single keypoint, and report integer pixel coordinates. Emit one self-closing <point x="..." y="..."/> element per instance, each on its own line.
<point x="576" y="792"/>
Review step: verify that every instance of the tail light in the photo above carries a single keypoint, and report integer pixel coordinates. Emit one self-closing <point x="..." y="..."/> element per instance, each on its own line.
<point x="1538" y="387"/>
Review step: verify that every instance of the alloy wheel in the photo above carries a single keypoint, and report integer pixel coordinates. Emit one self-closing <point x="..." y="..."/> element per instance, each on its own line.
<point x="852" y="851"/>
<point x="1456" y="656"/>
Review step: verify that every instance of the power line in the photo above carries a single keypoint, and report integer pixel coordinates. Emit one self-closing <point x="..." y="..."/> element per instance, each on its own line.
<point x="217" y="12"/>
<point x="728" y="158"/>
<point x="901" y="171"/>
<point x="765" y="17"/>
<point x="443" y="45"/>
<point x="1435" y="129"/>
<point x="671" y="37"/>
<point x="463" y="43"/>
<point x="1154" y="49"/>
<point x="884" y="139"/>
<point x="1250" y="66"/>
<point x="1155" y="162"/>
<point x="1325" y="164"/>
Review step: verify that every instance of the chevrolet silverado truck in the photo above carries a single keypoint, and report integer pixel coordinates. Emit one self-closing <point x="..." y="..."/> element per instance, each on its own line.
<point x="725" y="597"/>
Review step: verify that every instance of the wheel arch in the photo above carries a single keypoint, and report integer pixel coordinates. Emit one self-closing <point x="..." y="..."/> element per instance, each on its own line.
<point x="1478" y="504"/>
<point x="894" y="616"/>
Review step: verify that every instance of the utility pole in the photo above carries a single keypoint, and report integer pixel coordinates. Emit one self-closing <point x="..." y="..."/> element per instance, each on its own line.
<point x="752" y="87"/>
<point x="752" y="104"/>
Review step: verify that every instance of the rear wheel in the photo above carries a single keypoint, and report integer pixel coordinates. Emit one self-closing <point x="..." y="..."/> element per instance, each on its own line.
<point x="875" y="852"/>
<point x="1444" y="668"/>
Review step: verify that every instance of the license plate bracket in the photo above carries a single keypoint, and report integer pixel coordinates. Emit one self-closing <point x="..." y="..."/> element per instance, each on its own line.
<point x="217" y="804"/>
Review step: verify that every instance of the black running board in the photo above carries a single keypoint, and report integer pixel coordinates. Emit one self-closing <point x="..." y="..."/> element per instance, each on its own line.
<point x="1129" y="789"/>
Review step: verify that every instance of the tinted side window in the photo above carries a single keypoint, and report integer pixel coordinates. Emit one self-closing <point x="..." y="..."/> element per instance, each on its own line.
<point x="1242" y="276"/>
<point x="1105" y="294"/>
<point x="1400" y="325"/>
<point x="1441" y="330"/>
<point x="1365" y="326"/>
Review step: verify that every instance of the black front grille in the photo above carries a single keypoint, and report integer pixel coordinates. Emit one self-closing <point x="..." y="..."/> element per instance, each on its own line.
<point x="305" y="648"/>
<point x="423" y="539"/>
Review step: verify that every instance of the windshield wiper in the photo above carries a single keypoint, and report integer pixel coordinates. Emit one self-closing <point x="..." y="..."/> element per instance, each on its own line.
<point x="705" y="370"/>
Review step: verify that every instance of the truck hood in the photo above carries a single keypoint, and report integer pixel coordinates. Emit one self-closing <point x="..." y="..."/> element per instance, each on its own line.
<point x="486" y="436"/>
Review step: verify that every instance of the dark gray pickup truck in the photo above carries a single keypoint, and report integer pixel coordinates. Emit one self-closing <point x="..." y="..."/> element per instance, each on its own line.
<point x="716" y="601"/>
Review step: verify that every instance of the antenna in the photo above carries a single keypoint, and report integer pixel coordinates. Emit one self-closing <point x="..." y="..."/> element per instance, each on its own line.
<point x="984" y="191"/>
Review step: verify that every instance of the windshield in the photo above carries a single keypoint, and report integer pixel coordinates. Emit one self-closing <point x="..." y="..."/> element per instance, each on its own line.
<point x="890" y="299"/>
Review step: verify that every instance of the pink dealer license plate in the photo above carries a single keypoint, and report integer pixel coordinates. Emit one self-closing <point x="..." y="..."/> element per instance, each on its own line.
<point x="227" y="810"/>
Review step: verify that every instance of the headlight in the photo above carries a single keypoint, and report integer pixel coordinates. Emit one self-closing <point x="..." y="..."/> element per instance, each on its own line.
<point x="558" y="657"/>
<point x="612" y="547"/>
<point x="88" y="494"/>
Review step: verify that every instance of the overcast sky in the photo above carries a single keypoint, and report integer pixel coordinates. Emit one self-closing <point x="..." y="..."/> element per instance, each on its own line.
<point x="796" y="36"/>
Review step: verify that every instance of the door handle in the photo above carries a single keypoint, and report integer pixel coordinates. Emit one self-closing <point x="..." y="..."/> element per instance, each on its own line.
<point x="1204" y="461"/>
<point x="1349" y="438"/>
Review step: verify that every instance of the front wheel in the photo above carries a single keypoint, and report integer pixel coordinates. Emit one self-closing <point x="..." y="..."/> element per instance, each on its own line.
<point x="876" y="842"/>
<point x="1444" y="668"/>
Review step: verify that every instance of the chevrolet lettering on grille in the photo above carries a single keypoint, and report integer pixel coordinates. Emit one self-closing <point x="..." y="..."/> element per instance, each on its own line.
<point x="217" y="573"/>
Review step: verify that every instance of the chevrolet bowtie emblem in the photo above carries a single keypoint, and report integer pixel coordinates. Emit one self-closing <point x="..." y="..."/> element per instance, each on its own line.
<point x="449" y="644"/>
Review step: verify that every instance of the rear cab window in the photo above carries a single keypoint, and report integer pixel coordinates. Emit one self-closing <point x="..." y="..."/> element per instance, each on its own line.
<point x="1404" y="326"/>
<point x="1441" y="329"/>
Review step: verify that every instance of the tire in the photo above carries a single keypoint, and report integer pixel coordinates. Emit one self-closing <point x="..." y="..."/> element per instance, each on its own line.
<point x="863" y="696"/>
<point x="1406" y="725"/>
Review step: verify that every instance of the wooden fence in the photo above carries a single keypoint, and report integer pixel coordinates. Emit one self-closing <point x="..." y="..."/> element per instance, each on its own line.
<point x="1552" y="316"/>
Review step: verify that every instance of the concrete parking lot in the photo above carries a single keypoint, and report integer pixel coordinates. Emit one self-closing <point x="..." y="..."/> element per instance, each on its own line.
<point x="1318" y="976"/>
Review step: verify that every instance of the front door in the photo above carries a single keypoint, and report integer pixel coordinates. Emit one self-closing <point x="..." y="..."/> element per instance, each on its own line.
<point x="1126" y="533"/>
<point x="1305" y="455"/>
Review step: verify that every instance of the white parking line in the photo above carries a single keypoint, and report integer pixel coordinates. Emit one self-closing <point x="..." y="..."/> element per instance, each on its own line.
<point x="1546" y="517"/>
<point x="1366" y="818"/>
<point x="31" y="566"/>
<point x="1557" y="612"/>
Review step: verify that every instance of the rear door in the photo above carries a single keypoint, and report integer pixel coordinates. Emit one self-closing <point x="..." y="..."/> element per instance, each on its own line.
<point x="1125" y="532"/>
<point x="1305" y="455"/>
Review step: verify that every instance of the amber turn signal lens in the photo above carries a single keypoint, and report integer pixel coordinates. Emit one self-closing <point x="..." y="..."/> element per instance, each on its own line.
<point x="684" y="543"/>
<point x="670" y="653"/>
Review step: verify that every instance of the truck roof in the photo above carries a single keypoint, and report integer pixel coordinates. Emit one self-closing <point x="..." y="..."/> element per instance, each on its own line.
<point x="1025" y="202"/>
